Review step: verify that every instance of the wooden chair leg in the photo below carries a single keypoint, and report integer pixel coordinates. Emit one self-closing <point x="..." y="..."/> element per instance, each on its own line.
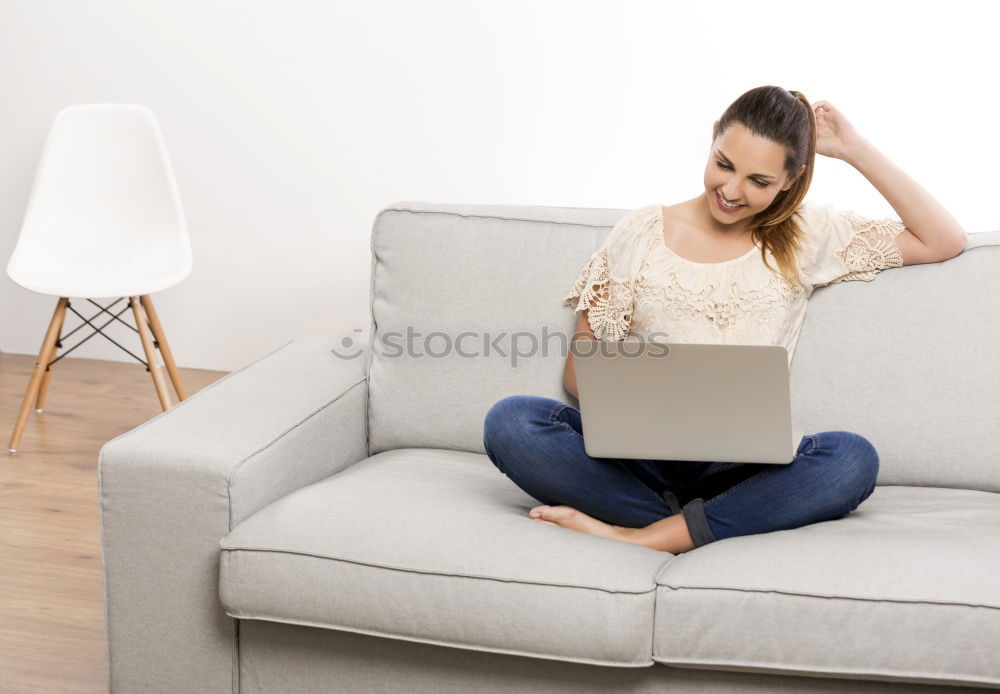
<point x="47" y="374"/>
<point x="35" y="382"/>
<point x="161" y="339"/>
<point x="151" y="355"/>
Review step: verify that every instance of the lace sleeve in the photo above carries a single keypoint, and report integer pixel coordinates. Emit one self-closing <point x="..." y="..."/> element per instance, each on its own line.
<point x="607" y="283"/>
<point x="849" y="247"/>
<point x="610" y="301"/>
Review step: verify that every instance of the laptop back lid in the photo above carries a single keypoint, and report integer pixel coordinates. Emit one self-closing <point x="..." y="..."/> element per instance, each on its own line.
<point x="684" y="401"/>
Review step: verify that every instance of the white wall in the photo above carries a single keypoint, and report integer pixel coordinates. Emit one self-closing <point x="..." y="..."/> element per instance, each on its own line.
<point x="291" y="124"/>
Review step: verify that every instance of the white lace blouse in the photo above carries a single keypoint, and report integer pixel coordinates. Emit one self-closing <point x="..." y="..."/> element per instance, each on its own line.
<point x="635" y="285"/>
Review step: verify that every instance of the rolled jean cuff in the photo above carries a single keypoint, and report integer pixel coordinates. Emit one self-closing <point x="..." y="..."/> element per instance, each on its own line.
<point x="694" y="514"/>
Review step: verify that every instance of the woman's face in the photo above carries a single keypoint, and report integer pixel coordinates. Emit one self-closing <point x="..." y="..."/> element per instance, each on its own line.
<point x="746" y="170"/>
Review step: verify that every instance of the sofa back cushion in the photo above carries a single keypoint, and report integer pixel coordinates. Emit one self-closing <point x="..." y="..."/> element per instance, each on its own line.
<point x="467" y="309"/>
<point x="909" y="360"/>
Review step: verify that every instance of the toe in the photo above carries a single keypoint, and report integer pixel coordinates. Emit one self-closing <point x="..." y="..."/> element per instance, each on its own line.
<point x="559" y="513"/>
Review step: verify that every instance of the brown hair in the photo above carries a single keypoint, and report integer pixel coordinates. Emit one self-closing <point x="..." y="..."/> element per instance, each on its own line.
<point x="785" y="117"/>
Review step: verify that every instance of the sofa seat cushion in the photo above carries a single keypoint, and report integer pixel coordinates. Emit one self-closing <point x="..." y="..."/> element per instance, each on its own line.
<point x="436" y="546"/>
<point x="905" y="587"/>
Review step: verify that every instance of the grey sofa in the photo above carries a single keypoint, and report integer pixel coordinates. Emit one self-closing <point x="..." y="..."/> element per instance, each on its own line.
<point x="318" y="523"/>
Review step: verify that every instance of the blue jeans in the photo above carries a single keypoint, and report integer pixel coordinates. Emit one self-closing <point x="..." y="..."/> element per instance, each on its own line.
<point x="538" y="443"/>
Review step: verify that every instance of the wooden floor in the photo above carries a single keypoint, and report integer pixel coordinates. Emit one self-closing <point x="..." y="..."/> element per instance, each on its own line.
<point x="51" y="584"/>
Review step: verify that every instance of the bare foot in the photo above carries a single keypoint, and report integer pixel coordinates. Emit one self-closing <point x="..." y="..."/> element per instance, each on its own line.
<point x="569" y="517"/>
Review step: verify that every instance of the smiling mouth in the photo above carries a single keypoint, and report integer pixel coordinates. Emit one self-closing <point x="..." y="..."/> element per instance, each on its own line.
<point x="726" y="202"/>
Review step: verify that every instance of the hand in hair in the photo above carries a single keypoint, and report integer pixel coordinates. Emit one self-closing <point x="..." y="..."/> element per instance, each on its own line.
<point x="835" y="136"/>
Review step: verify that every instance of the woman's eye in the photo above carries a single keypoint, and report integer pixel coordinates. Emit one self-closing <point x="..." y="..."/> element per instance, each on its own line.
<point x="727" y="167"/>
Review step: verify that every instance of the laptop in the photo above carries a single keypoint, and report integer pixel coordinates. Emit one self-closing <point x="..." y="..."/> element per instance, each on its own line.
<point x="685" y="401"/>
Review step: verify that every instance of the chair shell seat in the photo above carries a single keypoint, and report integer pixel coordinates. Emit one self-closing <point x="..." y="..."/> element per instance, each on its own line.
<point x="104" y="217"/>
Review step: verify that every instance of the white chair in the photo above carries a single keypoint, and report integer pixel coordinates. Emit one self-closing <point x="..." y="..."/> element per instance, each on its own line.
<point x="104" y="219"/>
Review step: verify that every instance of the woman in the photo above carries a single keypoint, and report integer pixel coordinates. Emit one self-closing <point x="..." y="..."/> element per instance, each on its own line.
<point x="737" y="264"/>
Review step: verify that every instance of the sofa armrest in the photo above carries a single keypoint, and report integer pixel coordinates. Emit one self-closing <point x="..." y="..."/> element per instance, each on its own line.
<point x="173" y="487"/>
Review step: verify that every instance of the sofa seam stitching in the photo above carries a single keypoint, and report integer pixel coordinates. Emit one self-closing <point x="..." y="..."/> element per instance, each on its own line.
<point x="832" y="597"/>
<point x="773" y="668"/>
<point x="507" y="219"/>
<point x="373" y="328"/>
<point x="416" y="639"/>
<point x="652" y="589"/>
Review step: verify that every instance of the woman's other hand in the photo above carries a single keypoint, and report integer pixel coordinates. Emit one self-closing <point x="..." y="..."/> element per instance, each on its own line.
<point x="835" y="136"/>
